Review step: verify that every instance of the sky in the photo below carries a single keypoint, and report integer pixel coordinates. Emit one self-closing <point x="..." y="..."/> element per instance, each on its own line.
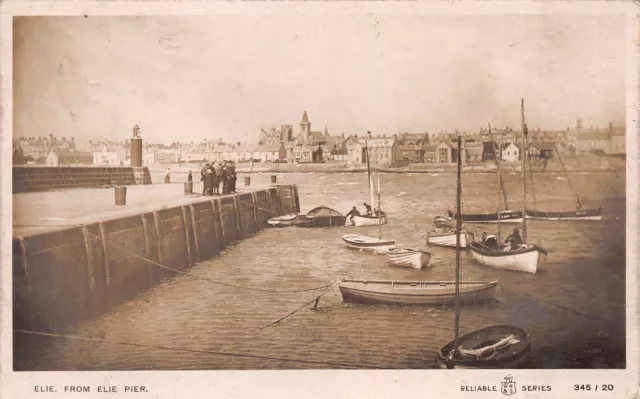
<point x="189" y="78"/>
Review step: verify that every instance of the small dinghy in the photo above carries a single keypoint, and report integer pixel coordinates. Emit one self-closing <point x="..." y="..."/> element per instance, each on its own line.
<point x="408" y="257"/>
<point x="367" y="243"/>
<point x="416" y="292"/>
<point x="447" y="238"/>
<point x="283" y="221"/>
<point x="494" y="347"/>
<point x="322" y="216"/>
<point x="444" y="222"/>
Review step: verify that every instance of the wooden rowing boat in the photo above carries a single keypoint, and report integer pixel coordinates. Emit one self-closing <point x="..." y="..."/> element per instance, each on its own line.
<point x="322" y="216"/>
<point x="579" y="214"/>
<point x="283" y="221"/>
<point x="493" y="347"/>
<point x="364" y="220"/>
<point x="366" y="243"/>
<point x="416" y="292"/>
<point x="525" y="260"/>
<point x="448" y="238"/>
<point x="408" y="257"/>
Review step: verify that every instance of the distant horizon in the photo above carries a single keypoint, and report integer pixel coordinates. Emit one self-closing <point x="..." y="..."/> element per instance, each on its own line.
<point x="181" y="79"/>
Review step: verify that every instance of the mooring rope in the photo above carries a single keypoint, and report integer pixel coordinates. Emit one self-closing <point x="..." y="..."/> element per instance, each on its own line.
<point x="231" y="354"/>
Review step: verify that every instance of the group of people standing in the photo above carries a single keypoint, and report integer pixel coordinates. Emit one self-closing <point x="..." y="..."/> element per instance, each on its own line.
<point x="215" y="174"/>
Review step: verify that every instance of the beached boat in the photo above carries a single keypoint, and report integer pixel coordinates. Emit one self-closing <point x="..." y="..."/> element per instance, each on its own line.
<point x="579" y="214"/>
<point x="283" y="221"/>
<point x="380" y="217"/>
<point x="416" y="292"/>
<point x="409" y="257"/>
<point x="366" y="243"/>
<point x="525" y="260"/>
<point x="322" y="216"/>
<point x="447" y="238"/>
<point x="494" y="347"/>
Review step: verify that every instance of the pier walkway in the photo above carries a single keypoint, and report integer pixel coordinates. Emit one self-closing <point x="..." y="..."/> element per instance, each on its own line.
<point x="39" y="212"/>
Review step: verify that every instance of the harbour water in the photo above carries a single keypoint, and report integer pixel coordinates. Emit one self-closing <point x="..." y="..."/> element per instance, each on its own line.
<point x="574" y="308"/>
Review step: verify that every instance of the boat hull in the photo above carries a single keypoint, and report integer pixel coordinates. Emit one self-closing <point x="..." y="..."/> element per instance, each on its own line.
<point x="449" y="239"/>
<point x="585" y="214"/>
<point x="416" y="292"/>
<point x="362" y="221"/>
<point x="411" y="258"/>
<point x="505" y="217"/>
<point x="321" y="221"/>
<point x="525" y="260"/>
<point x="365" y="243"/>
<point x="512" y="357"/>
<point x="283" y="221"/>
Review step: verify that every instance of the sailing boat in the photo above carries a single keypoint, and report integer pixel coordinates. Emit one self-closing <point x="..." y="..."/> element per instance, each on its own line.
<point x="500" y="346"/>
<point x="366" y="243"/>
<point x="528" y="257"/>
<point x="420" y="292"/>
<point x="580" y="213"/>
<point x="371" y="220"/>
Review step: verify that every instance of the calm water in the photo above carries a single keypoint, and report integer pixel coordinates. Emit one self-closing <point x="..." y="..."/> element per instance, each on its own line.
<point x="585" y="273"/>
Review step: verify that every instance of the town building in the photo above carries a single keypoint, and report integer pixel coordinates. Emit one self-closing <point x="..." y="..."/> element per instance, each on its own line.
<point x="270" y="152"/>
<point x="510" y="152"/>
<point x="111" y="156"/>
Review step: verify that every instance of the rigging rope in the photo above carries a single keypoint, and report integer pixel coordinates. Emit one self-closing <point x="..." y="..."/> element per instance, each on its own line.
<point x="231" y="354"/>
<point x="564" y="170"/>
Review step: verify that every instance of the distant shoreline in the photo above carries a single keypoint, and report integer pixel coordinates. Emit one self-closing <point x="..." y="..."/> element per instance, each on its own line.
<point x="606" y="166"/>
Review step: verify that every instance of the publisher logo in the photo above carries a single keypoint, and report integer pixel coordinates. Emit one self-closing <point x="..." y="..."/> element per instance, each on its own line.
<point x="508" y="386"/>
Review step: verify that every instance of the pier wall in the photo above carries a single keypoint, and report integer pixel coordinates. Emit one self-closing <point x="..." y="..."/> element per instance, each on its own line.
<point x="41" y="178"/>
<point x="80" y="272"/>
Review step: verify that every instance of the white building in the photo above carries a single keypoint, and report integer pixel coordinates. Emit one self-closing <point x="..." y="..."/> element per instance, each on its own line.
<point x="510" y="152"/>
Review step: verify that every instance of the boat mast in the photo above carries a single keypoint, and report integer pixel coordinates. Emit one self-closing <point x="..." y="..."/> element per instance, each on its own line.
<point x="366" y="143"/>
<point x="379" y="210"/>
<point x="523" y="154"/>
<point x="458" y="228"/>
<point x="500" y="193"/>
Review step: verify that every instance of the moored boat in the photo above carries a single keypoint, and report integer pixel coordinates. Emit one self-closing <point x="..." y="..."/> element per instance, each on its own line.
<point x="447" y="238"/>
<point x="506" y="216"/>
<point x="322" y="216"/>
<point x="409" y="257"/>
<point x="579" y="214"/>
<point x="527" y="259"/>
<point x="364" y="220"/>
<point x="416" y="292"/>
<point x="493" y="347"/>
<point x="367" y="243"/>
<point x="444" y="222"/>
<point x="283" y="221"/>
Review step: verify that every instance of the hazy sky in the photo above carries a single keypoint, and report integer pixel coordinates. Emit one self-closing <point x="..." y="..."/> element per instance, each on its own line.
<point x="186" y="78"/>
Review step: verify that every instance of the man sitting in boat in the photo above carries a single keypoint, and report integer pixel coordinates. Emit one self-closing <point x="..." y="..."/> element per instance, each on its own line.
<point x="515" y="240"/>
<point x="490" y="241"/>
<point x="369" y="212"/>
<point x="353" y="212"/>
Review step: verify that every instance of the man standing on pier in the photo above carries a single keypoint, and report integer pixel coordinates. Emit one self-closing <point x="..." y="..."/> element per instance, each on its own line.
<point x="223" y="176"/>
<point x="234" y="177"/>
<point x="216" y="181"/>
<point x="203" y="178"/>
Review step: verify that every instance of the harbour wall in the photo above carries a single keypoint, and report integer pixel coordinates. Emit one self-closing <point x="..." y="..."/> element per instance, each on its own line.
<point x="42" y="178"/>
<point x="80" y="272"/>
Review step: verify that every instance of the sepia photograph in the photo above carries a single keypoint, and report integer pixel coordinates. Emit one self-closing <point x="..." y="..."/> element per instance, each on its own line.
<point x="321" y="191"/>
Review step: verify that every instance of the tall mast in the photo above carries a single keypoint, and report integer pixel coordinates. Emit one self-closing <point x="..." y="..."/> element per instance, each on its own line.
<point x="523" y="155"/>
<point x="500" y="191"/>
<point x="379" y="210"/>
<point x="458" y="228"/>
<point x="366" y="143"/>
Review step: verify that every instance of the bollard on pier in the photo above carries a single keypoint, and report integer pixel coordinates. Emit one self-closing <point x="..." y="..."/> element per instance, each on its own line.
<point x="121" y="195"/>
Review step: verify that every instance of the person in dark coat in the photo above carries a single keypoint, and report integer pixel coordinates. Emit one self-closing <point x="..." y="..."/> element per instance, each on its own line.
<point x="368" y="207"/>
<point x="216" y="180"/>
<point x="515" y="240"/>
<point x="353" y="212"/>
<point x="223" y="176"/>
<point x="190" y="177"/>
<point x="210" y="178"/>
<point x="203" y="175"/>
<point x="234" y="177"/>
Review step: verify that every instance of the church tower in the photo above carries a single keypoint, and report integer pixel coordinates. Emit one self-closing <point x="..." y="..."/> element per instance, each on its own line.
<point x="305" y="127"/>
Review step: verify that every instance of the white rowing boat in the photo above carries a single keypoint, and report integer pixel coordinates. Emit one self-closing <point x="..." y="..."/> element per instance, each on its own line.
<point x="283" y="221"/>
<point x="408" y="257"/>
<point x="448" y="238"/>
<point x="366" y="243"/>
<point x="527" y="259"/>
<point x="416" y="292"/>
<point x="361" y="221"/>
